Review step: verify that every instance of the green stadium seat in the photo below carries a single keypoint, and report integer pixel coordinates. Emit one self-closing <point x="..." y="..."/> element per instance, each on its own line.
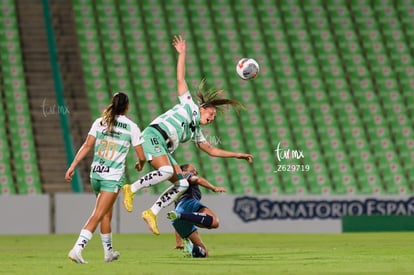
<point x="343" y="180"/>
<point x="293" y="183"/>
<point x="6" y="173"/>
<point x="19" y="150"/>
<point x="93" y="65"/>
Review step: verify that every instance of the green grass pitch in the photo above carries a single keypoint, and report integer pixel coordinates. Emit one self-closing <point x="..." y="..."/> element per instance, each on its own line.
<point x="349" y="253"/>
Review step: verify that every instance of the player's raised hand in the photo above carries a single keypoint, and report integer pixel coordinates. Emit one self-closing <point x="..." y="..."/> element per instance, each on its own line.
<point x="179" y="43"/>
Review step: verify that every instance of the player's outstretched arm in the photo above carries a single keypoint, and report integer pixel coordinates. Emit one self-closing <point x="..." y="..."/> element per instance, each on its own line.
<point x="206" y="184"/>
<point x="180" y="46"/>
<point x="217" y="152"/>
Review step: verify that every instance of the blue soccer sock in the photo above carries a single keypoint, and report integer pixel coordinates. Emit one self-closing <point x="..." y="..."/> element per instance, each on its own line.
<point x="198" y="218"/>
<point x="198" y="252"/>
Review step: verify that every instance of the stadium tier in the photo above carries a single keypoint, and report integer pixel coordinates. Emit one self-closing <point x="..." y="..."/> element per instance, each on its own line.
<point x="18" y="163"/>
<point x="331" y="111"/>
<point x="334" y="85"/>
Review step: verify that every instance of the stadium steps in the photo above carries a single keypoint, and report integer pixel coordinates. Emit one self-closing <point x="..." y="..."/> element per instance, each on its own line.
<point x="46" y="125"/>
<point x="73" y="81"/>
<point x="42" y="99"/>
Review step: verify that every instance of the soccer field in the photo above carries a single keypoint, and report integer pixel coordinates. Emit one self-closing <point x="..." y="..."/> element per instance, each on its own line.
<point x="385" y="253"/>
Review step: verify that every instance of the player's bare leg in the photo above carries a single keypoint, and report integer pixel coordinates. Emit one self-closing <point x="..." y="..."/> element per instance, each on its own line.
<point x="199" y="250"/>
<point x="178" y="241"/>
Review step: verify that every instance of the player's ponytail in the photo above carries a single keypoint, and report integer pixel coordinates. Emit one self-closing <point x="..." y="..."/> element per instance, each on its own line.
<point x="212" y="98"/>
<point x="118" y="106"/>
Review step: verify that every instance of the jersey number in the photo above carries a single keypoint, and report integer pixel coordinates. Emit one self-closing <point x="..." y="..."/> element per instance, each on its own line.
<point x="154" y="141"/>
<point x="107" y="149"/>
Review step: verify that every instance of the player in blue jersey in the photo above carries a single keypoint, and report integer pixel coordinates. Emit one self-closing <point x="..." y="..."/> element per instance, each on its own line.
<point x="110" y="137"/>
<point x="189" y="212"/>
<point x="180" y="124"/>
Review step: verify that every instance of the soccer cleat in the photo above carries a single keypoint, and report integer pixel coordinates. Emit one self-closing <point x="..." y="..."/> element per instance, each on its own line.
<point x="172" y="215"/>
<point x="113" y="256"/>
<point x="76" y="257"/>
<point x="128" y="197"/>
<point x="188" y="248"/>
<point x="151" y="220"/>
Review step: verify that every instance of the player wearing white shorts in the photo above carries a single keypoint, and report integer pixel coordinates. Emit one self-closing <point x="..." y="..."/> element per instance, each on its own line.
<point x="111" y="137"/>
<point x="180" y="124"/>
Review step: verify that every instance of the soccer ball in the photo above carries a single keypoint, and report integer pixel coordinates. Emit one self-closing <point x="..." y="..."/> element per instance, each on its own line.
<point x="247" y="68"/>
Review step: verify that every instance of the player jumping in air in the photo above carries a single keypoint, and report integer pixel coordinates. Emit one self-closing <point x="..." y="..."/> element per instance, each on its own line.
<point x="178" y="125"/>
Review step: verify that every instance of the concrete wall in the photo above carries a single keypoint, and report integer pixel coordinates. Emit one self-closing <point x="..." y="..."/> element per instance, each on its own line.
<point x="67" y="213"/>
<point x="25" y="214"/>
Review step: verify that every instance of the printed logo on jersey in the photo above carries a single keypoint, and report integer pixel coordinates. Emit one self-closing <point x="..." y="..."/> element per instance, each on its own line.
<point x="101" y="167"/>
<point x="192" y="126"/>
<point x="111" y="134"/>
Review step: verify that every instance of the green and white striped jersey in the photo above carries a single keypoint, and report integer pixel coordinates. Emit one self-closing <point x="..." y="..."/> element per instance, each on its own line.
<point x="182" y="122"/>
<point x="112" y="148"/>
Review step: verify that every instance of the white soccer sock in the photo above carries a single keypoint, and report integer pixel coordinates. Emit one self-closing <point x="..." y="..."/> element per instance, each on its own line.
<point x="169" y="195"/>
<point x="84" y="237"/>
<point x="107" y="243"/>
<point x="152" y="178"/>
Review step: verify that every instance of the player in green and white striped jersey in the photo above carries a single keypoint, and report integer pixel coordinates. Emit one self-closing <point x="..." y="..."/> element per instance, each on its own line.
<point x="111" y="137"/>
<point x="164" y="134"/>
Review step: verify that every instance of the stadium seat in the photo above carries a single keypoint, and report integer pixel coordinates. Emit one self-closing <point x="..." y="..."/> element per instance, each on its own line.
<point x="93" y="64"/>
<point x="293" y="183"/>
<point x="22" y="160"/>
<point x="6" y="174"/>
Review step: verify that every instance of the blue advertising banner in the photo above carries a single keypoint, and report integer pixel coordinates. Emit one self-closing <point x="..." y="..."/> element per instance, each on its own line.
<point x="251" y="209"/>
